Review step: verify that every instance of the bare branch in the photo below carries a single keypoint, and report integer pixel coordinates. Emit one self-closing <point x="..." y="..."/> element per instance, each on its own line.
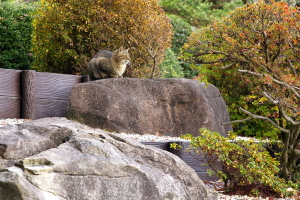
<point x="292" y="68"/>
<point x="287" y="117"/>
<point x="250" y="72"/>
<point x="291" y="87"/>
<point x="254" y="28"/>
<point x="227" y="66"/>
<point x="264" y="118"/>
<point x="251" y="61"/>
<point x="266" y="46"/>
<point x="277" y="54"/>
<point x="272" y="100"/>
<point x="297" y="153"/>
<point x="237" y="121"/>
<point x="211" y="62"/>
<point x="295" y="136"/>
<point x="277" y="103"/>
<point x="292" y="47"/>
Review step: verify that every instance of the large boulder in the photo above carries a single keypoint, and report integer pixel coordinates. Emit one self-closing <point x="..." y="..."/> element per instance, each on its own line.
<point x="68" y="160"/>
<point x="143" y="106"/>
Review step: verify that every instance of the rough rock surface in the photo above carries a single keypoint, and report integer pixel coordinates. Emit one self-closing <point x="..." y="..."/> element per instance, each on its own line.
<point x="168" y="106"/>
<point x="58" y="159"/>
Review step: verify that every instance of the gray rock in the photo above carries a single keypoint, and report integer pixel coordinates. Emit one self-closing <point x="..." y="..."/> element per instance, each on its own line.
<point x="23" y="140"/>
<point x="143" y="106"/>
<point x="93" y="164"/>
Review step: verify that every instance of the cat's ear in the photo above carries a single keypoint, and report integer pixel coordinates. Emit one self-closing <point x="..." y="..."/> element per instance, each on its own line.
<point x="119" y="50"/>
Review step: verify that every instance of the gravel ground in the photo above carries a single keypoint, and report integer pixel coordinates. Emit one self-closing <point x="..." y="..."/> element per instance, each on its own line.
<point x="4" y="122"/>
<point x="157" y="138"/>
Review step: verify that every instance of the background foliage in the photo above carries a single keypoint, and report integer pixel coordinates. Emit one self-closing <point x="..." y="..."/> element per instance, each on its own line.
<point x="199" y="13"/>
<point x="15" y="35"/>
<point x="68" y="33"/>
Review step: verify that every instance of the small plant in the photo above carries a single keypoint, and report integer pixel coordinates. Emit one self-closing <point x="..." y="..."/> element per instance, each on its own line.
<point x="175" y="146"/>
<point x="245" y="162"/>
<point x="255" y="192"/>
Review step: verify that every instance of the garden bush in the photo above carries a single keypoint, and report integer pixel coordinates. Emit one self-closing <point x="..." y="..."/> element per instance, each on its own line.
<point x="15" y="35"/>
<point x="67" y="34"/>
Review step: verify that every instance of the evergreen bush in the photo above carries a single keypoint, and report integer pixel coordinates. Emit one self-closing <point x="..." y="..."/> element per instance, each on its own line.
<point x="170" y="67"/>
<point x="15" y="35"/>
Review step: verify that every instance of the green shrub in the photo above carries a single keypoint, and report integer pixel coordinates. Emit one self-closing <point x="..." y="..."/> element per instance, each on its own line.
<point x="245" y="162"/>
<point x="170" y="67"/>
<point x="182" y="30"/>
<point x="15" y="35"/>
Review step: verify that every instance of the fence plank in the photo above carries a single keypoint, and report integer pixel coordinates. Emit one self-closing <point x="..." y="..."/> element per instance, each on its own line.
<point x="47" y="93"/>
<point x="55" y="86"/>
<point x="188" y="158"/>
<point x="10" y="107"/>
<point x="160" y="145"/>
<point x="10" y="82"/>
<point x="192" y="160"/>
<point x="50" y="108"/>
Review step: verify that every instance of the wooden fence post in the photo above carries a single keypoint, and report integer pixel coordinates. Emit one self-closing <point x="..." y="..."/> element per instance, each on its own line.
<point x="85" y="78"/>
<point x="28" y="94"/>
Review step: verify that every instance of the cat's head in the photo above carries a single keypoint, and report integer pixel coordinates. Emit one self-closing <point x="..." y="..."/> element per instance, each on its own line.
<point x="122" y="55"/>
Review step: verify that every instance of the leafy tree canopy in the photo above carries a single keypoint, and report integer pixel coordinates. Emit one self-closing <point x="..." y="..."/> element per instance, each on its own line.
<point x="259" y="46"/>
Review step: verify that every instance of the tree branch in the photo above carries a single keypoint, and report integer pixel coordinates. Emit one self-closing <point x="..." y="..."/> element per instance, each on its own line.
<point x="237" y="121"/>
<point x="275" y="102"/>
<point x="266" y="46"/>
<point x="277" y="54"/>
<point x="297" y="153"/>
<point x="264" y="118"/>
<point x="288" y="118"/>
<point x="227" y="66"/>
<point x="291" y="87"/>
<point x="253" y="116"/>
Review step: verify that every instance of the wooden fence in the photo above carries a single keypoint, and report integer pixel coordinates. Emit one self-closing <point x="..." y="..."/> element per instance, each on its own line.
<point x="195" y="161"/>
<point x="29" y="94"/>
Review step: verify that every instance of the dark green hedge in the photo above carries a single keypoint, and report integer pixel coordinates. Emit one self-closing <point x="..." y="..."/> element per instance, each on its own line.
<point x="15" y="35"/>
